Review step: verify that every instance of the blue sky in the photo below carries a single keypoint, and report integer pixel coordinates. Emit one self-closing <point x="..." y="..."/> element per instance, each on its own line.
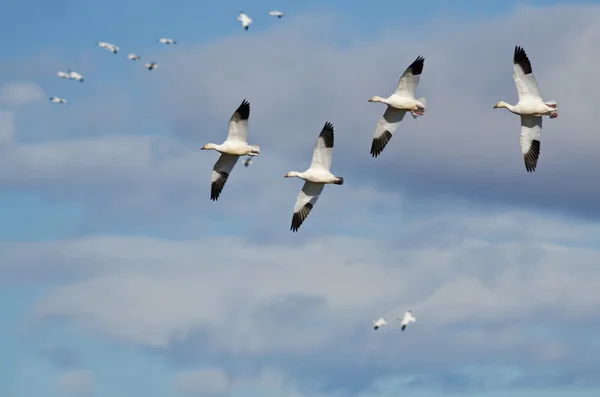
<point x="120" y="276"/>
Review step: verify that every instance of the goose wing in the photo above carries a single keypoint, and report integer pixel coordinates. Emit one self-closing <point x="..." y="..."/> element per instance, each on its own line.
<point x="523" y="75"/>
<point x="220" y="173"/>
<point x="238" y="123"/>
<point x="305" y="202"/>
<point x="388" y="123"/>
<point x="531" y="132"/>
<point x="323" y="150"/>
<point x="407" y="85"/>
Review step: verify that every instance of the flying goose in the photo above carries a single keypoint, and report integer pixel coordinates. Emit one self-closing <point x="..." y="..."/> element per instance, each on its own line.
<point x="248" y="162"/>
<point x="276" y="13"/>
<point x="531" y="107"/>
<point x="107" y="46"/>
<point x="151" y="65"/>
<point x="163" y="40"/>
<point x="73" y="75"/>
<point x="56" y="99"/>
<point x="235" y="145"/>
<point x="315" y="177"/>
<point x="379" y="323"/>
<point x="63" y="75"/>
<point x="401" y="101"/>
<point x="133" y="57"/>
<point x="245" y="20"/>
<point x="407" y="318"/>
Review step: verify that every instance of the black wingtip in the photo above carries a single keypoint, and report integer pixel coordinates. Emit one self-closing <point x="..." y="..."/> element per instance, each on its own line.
<point x="417" y="66"/>
<point x="531" y="157"/>
<point x="379" y="143"/>
<point x="244" y="110"/>
<point x="327" y="134"/>
<point x="246" y="28"/>
<point x="217" y="186"/>
<point x="520" y="58"/>
<point x="300" y="216"/>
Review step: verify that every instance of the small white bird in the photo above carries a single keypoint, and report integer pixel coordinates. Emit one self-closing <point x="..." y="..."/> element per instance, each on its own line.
<point x="245" y="20"/>
<point x="163" y="40"/>
<point x="276" y="13"/>
<point x="62" y="75"/>
<point x="248" y="162"/>
<point x="315" y="177"/>
<point x="407" y="319"/>
<point x="531" y="107"/>
<point x="133" y="57"/>
<point x="73" y="75"/>
<point x="379" y="323"/>
<point x="107" y="46"/>
<point x="56" y="99"/>
<point x="401" y="101"/>
<point x="151" y="65"/>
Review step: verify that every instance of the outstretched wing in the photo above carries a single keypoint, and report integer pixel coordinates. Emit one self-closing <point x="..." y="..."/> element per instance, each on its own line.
<point x="305" y="202"/>
<point x="386" y="127"/>
<point x="531" y="132"/>
<point x="523" y="75"/>
<point x="323" y="150"/>
<point x="238" y="123"/>
<point x="407" y="85"/>
<point x="220" y="173"/>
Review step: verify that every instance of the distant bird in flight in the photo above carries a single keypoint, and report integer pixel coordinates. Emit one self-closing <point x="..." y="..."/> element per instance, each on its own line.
<point x="133" y="57"/>
<point x="379" y="323"/>
<point x="245" y="20"/>
<point x="407" y="318"/>
<point x="531" y="107"/>
<point x="73" y="75"/>
<point x="63" y="75"/>
<point x="163" y="40"/>
<point x="55" y="99"/>
<point x="248" y="162"/>
<point x="107" y="46"/>
<point x="276" y="13"/>
<point x="151" y="65"/>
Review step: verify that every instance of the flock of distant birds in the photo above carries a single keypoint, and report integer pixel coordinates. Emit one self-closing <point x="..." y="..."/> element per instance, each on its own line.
<point x="530" y="107"/>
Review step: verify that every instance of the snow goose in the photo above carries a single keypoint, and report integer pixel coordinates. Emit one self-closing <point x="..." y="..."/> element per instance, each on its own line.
<point x="55" y="99"/>
<point x="245" y="20"/>
<point x="402" y="100"/>
<point x="107" y="46"/>
<point x="73" y="75"/>
<point x="531" y="107"/>
<point x="151" y="65"/>
<point x="133" y="57"/>
<point x="235" y="145"/>
<point x="407" y="318"/>
<point x="379" y="323"/>
<point x="315" y="177"/>
<point x="248" y="162"/>
<point x="163" y="40"/>
<point x="276" y="13"/>
<point x="62" y="75"/>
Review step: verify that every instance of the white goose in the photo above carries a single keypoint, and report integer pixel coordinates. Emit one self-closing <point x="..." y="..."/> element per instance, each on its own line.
<point x="401" y="101"/>
<point x="531" y="107"/>
<point x="379" y="323"/>
<point x="107" y="46"/>
<point x="62" y="75"/>
<point x="276" y="13"/>
<point x="55" y="99"/>
<point x="245" y="20"/>
<point x="133" y="57"/>
<point x="407" y="318"/>
<point x="235" y="145"/>
<point x="315" y="177"/>
<point x="163" y="40"/>
<point x="73" y="75"/>
<point x="151" y="65"/>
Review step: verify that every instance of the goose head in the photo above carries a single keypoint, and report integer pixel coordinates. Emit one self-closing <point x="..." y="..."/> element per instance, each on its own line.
<point x="209" y="146"/>
<point x="500" y="104"/>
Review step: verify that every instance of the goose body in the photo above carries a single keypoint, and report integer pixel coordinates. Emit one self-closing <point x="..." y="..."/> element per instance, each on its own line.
<point x="276" y="13"/>
<point x="151" y="65"/>
<point x="73" y="75"/>
<point x="315" y="177"/>
<point x="407" y="318"/>
<point x="235" y="145"/>
<point x="530" y="106"/>
<point x="245" y="20"/>
<point x="55" y="99"/>
<point x="379" y="323"/>
<point x="107" y="46"/>
<point x="62" y="75"/>
<point x="163" y="40"/>
<point x="133" y="57"/>
<point x="401" y="101"/>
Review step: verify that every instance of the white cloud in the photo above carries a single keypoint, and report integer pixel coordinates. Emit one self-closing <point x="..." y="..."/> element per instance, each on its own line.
<point x="203" y="382"/>
<point x="76" y="383"/>
<point x="19" y="93"/>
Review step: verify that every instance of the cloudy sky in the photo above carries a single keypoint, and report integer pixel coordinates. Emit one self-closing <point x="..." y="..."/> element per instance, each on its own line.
<point x="120" y="277"/>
